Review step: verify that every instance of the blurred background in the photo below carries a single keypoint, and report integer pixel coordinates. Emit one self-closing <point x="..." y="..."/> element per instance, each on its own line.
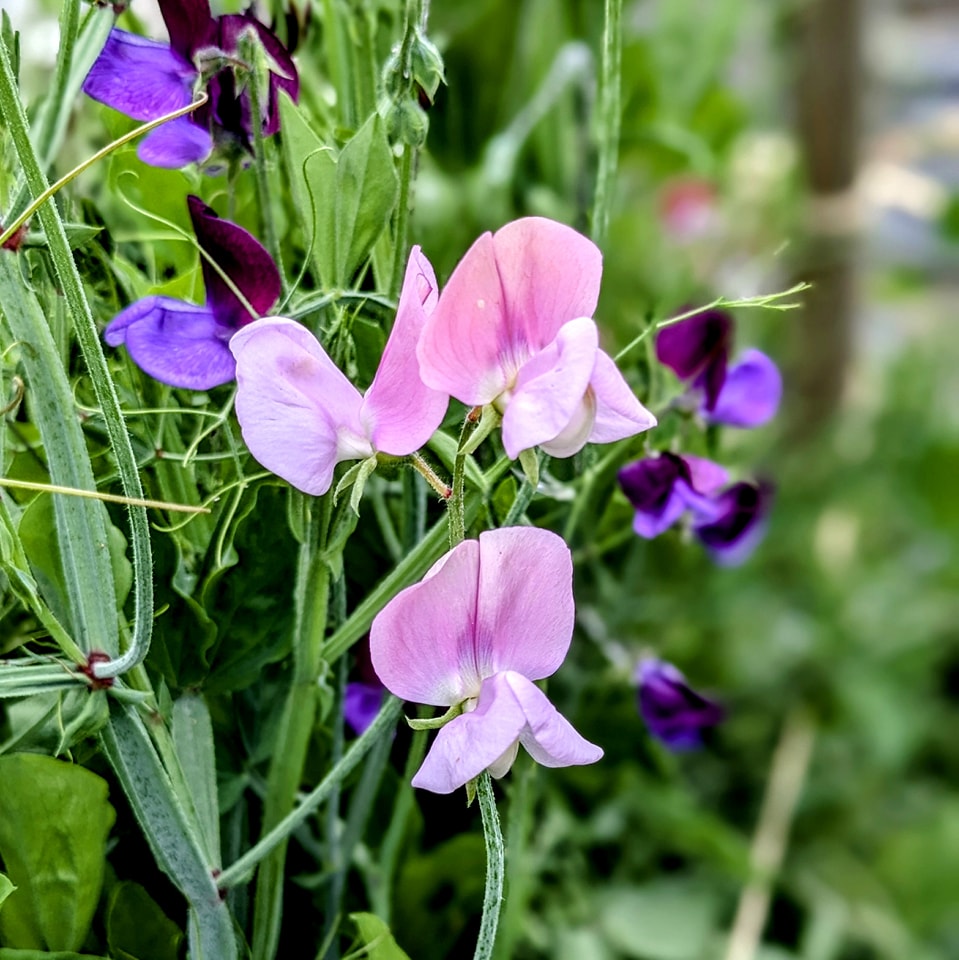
<point x="763" y="142"/>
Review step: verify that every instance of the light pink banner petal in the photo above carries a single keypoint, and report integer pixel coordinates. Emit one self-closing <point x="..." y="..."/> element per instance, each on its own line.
<point x="618" y="413"/>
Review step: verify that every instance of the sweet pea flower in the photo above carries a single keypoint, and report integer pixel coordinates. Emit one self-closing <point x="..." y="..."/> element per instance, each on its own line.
<point x="184" y="344"/>
<point x="665" y="487"/>
<point x="671" y="709"/>
<point x="146" y="79"/>
<point x="300" y="416"/>
<point x="361" y="704"/>
<point x="738" y="523"/>
<point x="697" y="350"/>
<point x="513" y="328"/>
<point x="488" y="619"/>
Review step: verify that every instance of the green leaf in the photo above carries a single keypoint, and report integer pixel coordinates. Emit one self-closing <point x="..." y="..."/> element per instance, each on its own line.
<point x="137" y="929"/>
<point x="54" y="822"/>
<point x="376" y="937"/>
<point x="6" y="888"/>
<point x="8" y="954"/>
<point x="193" y="736"/>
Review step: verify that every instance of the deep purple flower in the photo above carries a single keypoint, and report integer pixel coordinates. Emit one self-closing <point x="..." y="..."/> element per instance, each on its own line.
<point x="663" y="488"/>
<point x="739" y="523"/>
<point x="697" y="350"/>
<point x="187" y="345"/>
<point x="673" y="711"/>
<point x="146" y="79"/>
<point x="361" y="704"/>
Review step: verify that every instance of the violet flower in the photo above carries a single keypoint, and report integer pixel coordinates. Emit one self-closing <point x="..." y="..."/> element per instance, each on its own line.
<point x="665" y="487"/>
<point x="697" y="350"/>
<point x="738" y="524"/>
<point x="361" y="704"/>
<point x="184" y="344"/>
<point x="671" y="709"/>
<point x="300" y="416"/>
<point x="146" y="79"/>
<point x="513" y="328"/>
<point x="488" y="619"/>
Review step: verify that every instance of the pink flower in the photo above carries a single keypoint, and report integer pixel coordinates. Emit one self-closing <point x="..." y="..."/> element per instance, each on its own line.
<point x="299" y="414"/>
<point x="513" y="328"/>
<point x="490" y="617"/>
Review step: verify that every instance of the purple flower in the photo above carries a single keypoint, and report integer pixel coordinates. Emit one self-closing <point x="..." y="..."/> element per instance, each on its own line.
<point x="697" y="350"/>
<point x="738" y="524"/>
<point x="672" y="710"/>
<point x="299" y="414"/>
<point x="513" y="328"/>
<point x="665" y="487"/>
<point x="145" y="80"/>
<point x="186" y="345"/>
<point x="487" y="620"/>
<point x="361" y="704"/>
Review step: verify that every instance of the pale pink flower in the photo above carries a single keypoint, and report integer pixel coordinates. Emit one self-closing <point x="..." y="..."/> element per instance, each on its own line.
<point x="300" y="416"/>
<point x="489" y="618"/>
<point x="513" y="327"/>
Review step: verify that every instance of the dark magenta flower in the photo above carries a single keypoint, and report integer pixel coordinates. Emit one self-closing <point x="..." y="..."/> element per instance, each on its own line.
<point x="185" y="344"/>
<point x="673" y="711"/>
<point x="697" y="350"/>
<point x="738" y="524"/>
<point x="665" y="487"/>
<point x="146" y="79"/>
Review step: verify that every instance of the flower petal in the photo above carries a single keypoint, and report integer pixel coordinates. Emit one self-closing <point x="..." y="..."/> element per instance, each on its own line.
<point x="524" y="613"/>
<point x="751" y="394"/>
<point x="705" y="476"/>
<point x="510" y="708"/>
<point x="618" y="413"/>
<point x="506" y="300"/>
<point x="422" y="642"/>
<point x="361" y="704"/>
<point x="174" y="342"/>
<point x="139" y="77"/>
<point x="550" y="389"/>
<point x="673" y="711"/>
<point x="189" y="24"/>
<point x="242" y="258"/>
<point x="698" y="347"/>
<point x="739" y="523"/>
<point x="176" y="144"/>
<point x="299" y="415"/>
<point x="400" y="411"/>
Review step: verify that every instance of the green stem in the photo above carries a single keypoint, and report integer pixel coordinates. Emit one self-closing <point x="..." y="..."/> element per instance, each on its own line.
<point x="295" y="729"/>
<point x="456" y="505"/>
<point x="610" y="109"/>
<point x="495" y="868"/>
<point x="400" y="239"/>
<point x="383" y="725"/>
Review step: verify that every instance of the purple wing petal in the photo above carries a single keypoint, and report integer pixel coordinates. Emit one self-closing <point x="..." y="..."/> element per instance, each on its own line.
<point x="550" y="392"/>
<point x="673" y="711"/>
<point x="299" y="415"/>
<point x="698" y="347"/>
<point x="524" y="611"/>
<point x="174" y="342"/>
<point x="189" y="24"/>
<point x="422" y="643"/>
<point x="140" y="77"/>
<point x="176" y="144"/>
<point x="400" y="411"/>
<point x="618" y="413"/>
<point x="739" y="524"/>
<point x="242" y="258"/>
<point x="751" y="394"/>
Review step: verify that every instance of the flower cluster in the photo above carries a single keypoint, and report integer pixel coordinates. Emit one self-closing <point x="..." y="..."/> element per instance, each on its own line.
<point x="728" y="519"/>
<point x="146" y="79"/>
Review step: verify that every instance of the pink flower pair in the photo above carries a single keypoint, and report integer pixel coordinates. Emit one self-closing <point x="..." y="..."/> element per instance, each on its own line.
<point x="512" y="328"/>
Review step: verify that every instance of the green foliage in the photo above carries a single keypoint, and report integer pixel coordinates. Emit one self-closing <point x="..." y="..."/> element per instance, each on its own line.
<point x="54" y="823"/>
<point x="137" y="929"/>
